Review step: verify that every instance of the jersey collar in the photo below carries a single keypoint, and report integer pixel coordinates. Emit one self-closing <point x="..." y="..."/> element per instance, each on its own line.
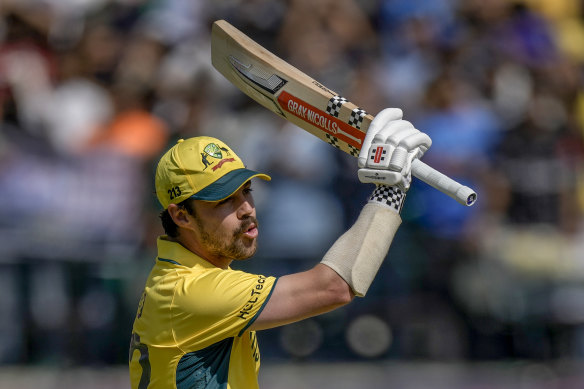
<point x="174" y="252"/>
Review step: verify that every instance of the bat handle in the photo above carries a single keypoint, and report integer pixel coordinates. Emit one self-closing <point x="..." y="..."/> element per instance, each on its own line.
<point x="463" y="194"/>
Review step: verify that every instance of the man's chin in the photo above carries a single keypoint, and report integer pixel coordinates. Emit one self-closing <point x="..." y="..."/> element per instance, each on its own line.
<point x="250" y="254"/>
<point x="246" y="252"/>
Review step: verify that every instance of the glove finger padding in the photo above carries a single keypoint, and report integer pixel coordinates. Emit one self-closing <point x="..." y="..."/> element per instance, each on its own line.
<point x="380" y="120"/>
<point x="394" y="132"/>
<point x="416" y="143"/>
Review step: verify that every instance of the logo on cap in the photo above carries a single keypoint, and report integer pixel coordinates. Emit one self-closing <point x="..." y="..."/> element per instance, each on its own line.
<point x="215" y="151"/>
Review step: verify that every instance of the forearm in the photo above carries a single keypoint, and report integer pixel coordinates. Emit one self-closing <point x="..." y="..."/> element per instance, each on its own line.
<point x="301" y="295"/>
<point x="357" y="255"/>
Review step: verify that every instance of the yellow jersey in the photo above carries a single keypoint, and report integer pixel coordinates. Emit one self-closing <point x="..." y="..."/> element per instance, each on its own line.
<point x="191" y="327"/>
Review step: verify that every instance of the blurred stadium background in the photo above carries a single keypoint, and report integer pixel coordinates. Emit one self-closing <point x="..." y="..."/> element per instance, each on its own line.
<point x="93" y="91"/>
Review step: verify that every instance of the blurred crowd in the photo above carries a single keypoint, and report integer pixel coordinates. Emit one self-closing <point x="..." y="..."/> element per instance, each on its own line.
<point x="93" y="92"/>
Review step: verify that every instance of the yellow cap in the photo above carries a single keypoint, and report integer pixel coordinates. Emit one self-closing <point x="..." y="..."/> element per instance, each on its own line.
<point x="203" y="168"/>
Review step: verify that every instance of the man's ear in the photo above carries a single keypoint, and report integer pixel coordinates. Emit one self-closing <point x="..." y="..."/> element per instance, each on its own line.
<point x="179" y="215"/>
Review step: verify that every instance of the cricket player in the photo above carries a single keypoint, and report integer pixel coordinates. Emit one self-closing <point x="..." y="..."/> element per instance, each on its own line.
<point x="196" y="322"/>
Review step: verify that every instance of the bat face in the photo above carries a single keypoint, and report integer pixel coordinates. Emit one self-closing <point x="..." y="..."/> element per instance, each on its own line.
<point x="287" y="91"/>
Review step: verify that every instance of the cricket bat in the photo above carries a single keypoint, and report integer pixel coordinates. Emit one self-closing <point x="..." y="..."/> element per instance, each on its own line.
<point x="301" y="100"/>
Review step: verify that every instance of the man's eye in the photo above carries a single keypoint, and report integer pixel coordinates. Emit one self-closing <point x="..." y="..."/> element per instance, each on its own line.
<point x="224" y="201"/>
<point x="247" y="190"/>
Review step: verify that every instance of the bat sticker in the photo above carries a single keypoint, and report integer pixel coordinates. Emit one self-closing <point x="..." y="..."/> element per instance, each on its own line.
<point x="259" y="80"/>
<point x="334" y="105"/>
<point x="356" y="118"/>
<point x="324" y="88"/>
<point x="320" y="119"/>
<point x="332" y="140"/>
<point x="266" y="81"/>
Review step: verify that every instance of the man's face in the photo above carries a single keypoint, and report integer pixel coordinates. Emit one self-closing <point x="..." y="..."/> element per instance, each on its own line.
<point x="227" y="229"/>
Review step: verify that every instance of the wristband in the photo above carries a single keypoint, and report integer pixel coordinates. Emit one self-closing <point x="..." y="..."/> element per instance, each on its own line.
<point x="391" y="197"/>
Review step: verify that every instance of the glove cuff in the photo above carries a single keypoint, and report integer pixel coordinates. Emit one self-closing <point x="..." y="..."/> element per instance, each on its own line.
<point x="390" y="197"/>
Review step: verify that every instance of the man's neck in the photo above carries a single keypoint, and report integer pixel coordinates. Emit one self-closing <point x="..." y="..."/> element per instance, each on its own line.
<point x="195" y="248"/>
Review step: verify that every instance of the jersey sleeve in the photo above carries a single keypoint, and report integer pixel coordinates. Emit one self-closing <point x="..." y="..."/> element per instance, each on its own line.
<point x="217" y="304"/>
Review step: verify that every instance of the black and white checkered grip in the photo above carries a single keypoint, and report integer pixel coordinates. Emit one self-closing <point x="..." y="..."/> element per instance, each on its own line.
<point x="389" y="196"/>
<point x="334" y="105"/>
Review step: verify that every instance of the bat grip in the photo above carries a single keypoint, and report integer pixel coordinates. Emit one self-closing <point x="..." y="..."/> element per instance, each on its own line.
<point x="463" y="194"/>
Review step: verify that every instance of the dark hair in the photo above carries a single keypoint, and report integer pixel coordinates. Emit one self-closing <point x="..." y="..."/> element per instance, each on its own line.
<point x="170" y="227"/>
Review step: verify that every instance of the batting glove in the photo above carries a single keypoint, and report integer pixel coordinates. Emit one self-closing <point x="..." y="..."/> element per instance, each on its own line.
<point x="390" y="146"/>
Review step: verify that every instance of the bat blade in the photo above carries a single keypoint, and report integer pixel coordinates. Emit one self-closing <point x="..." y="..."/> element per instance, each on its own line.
<point x="303" y="101"/>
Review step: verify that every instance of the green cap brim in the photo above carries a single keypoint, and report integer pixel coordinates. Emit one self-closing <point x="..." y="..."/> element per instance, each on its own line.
<point x="227" y="185"/>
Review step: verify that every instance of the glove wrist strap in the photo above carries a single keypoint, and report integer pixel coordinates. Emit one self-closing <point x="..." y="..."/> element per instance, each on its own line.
<point x="390" y="197"/>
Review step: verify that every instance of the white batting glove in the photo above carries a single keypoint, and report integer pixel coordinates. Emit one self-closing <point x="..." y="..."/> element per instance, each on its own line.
<point x="390" y="146"/>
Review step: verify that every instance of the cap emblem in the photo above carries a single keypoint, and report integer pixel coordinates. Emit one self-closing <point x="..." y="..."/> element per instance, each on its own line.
<point x="215" y="151"/>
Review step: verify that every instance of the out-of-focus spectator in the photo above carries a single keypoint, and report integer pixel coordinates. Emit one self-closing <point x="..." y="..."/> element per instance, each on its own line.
<point x="334" y="35"/>
<point x="538" y="162"/>
<point x="27" y="71"/>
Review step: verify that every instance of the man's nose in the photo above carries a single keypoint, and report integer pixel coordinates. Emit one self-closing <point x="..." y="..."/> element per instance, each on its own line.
<point x="246" y="208"/>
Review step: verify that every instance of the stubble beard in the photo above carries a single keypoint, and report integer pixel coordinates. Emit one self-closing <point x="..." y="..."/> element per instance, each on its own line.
<point x="234" y="246"/>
